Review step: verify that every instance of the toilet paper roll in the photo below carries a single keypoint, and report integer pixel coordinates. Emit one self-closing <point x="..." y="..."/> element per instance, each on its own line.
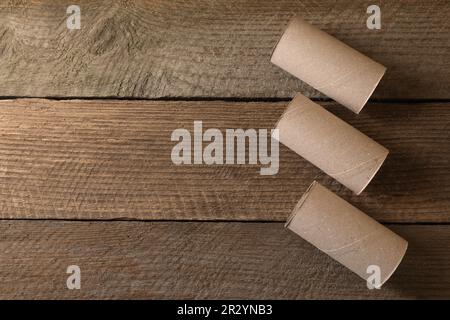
<point x="347" y="234"/>
<point x="329" y="143"/>
<point x="327" y="64"/>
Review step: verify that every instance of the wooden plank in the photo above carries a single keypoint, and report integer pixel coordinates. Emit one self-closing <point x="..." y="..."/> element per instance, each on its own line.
<point x="112" y="160"/>
<point x="199" y="260"/>
<point x="207" y="48"/>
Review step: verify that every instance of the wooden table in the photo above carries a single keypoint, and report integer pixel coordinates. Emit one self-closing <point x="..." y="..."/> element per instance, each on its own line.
<point x="86" y="177"/>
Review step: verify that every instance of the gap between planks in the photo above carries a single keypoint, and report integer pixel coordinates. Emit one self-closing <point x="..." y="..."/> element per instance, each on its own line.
<point x="217" y="99"/>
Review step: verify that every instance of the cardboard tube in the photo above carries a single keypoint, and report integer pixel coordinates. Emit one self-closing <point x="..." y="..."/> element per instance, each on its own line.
<point x="346" y="234"/>
<point x="327" y="64"/>
<point x="331" y="144"/>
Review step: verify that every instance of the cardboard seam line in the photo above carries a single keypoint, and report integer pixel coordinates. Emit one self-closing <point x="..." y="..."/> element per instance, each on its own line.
<point x="300" y="203"/>
<point x="379" y="230"/>
<point x="289" y="55"/>
<point x="337" y="174"/>
<point x="337" y="81"/>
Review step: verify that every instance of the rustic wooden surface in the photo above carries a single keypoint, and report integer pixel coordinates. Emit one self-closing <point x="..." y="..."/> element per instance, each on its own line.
<point x="205" y="48"/>
<point x="202" y="260"/>
<point x="111" y="160"/>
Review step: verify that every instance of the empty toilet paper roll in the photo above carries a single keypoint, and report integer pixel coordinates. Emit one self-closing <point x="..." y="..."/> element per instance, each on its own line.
<point x="329" y="143"/>
<point x="327" y="64"/>
<point x="347" y="234"/>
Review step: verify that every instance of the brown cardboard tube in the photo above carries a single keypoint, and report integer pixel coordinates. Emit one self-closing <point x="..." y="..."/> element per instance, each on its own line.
<point x="327" y="64"/>
<point x="346" y="234"/>
<point x="331" y="144"/>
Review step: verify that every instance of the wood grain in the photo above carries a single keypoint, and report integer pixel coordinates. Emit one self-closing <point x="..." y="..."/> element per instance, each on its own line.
<point x="198" y="260"/>
<point x="219" y="48"/>
<point x="112" y="160"/>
